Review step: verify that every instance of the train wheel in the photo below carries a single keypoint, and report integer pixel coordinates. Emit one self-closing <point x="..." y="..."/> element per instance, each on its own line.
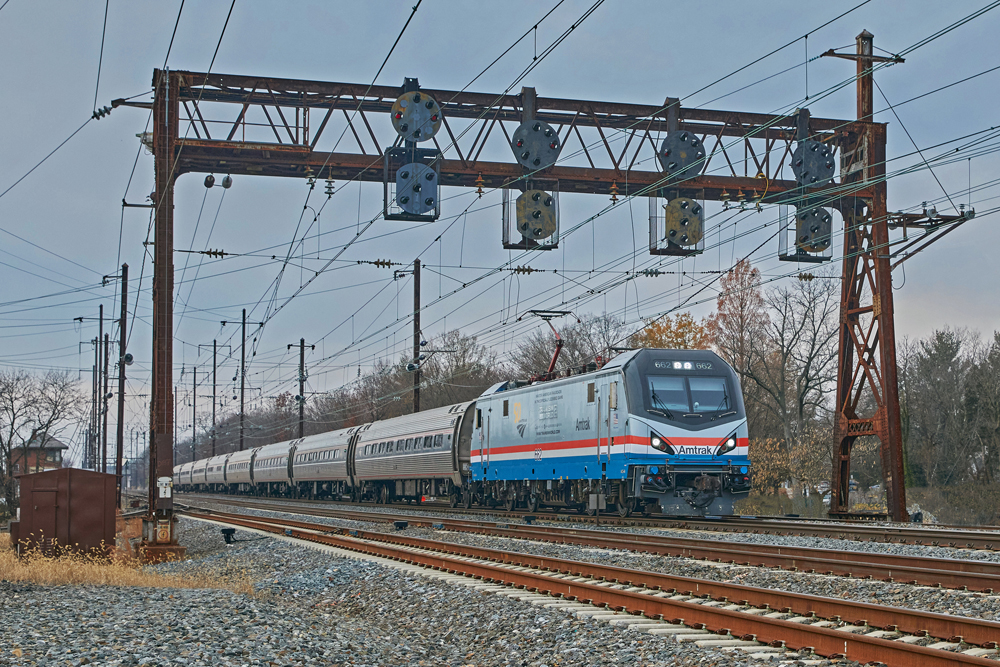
<point x="532" y="503"/>
<point x="467" y="499"/>
<point x="510" y="502"/>
<point x="624" y="508"/>
<point x="453" y="500"/>
<point x="384" y="495"/>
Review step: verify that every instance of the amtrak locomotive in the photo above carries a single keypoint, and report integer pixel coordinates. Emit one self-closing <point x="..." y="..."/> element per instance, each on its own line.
<point x="651" y="431"/>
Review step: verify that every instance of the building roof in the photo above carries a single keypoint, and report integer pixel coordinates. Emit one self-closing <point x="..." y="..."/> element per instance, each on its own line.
<point x="47" y="442"/>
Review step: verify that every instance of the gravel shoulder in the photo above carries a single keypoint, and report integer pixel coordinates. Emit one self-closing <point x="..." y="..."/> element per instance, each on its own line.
<point x="310" y="608"/>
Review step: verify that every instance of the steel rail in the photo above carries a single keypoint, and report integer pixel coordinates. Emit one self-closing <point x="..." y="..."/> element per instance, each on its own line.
<point x="798" y="636"/>
<point x="972" y="631"/>
<point x="986" y="538"/>
<point x="982" y="576"/>
<point x="971" y="539"/>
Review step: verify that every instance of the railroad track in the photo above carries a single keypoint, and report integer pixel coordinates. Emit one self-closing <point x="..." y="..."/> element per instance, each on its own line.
<point x="708" y="613"/>
<point x="987" y="538"/>
<point x="981" y="576"/>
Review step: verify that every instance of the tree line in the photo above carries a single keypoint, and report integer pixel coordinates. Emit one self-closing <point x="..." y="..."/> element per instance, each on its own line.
<point x="782" y="340"/>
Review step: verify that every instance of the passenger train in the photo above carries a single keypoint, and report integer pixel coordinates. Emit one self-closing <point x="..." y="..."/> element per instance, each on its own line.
<point x="652" y="431"/>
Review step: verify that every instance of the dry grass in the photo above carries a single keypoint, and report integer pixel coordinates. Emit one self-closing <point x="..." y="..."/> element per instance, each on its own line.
<point x="75" y="569"/>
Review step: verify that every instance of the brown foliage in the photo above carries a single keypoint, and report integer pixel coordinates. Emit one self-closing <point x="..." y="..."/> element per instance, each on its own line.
<point x="680" y="332"/>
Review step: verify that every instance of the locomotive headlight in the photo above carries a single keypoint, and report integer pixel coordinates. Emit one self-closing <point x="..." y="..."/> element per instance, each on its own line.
<point x="660" y="443"/>
<point x="728" y="445"/>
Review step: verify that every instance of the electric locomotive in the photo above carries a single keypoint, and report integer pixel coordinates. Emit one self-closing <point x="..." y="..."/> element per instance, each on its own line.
<point x="651" y="429"/>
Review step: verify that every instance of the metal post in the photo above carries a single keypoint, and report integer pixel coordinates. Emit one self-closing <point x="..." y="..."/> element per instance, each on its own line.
<point x="104" y="403"/>
<point x="94" y="430"/>
<point x="160" y="538"/>
<point x="302" y="383"/>
<point x="175" y="428"/>
<point x="215" y="370"/>
<point x="194" y="410"/>
<point x="867" y="355"/>
<point x="122" y="341"/>
<point x="97" y="390"/>
<point x="416" y="334"/>
<point x="243" y="375"/>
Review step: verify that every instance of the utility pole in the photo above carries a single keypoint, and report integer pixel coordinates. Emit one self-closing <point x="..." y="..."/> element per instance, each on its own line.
<point x="120" y="442"/>
<point x="97" y="389"/>
<point x="302" y="383"/>
<point x="867" y="351"/>
<point x="215" y="371"/>
<point x="243" y="375"/>
<point x="416" y="334"/>
<point x="159" y="527"/>
<point x="104" y="409"/>
<point x="194" y="408"/>
<point x="94" y="430"/>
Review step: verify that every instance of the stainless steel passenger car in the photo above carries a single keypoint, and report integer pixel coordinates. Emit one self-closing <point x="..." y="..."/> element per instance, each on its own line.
<point x="215" y="474"/>
<point x="319" y="466"/>
<point x="414" y="456"/>
<point x="239" y="472"/>
<point x="271" y="469"/>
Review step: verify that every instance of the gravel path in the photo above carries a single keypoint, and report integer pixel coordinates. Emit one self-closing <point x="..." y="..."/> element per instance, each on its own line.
<point x="311" y="608"/>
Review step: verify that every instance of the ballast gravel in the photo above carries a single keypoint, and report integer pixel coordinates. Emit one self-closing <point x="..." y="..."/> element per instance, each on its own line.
<point x="940" y="600"/>
<point x="310" y="608"/>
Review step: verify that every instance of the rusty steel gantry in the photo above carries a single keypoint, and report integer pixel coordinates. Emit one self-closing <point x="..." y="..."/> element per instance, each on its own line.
<point x="264" y="126"/>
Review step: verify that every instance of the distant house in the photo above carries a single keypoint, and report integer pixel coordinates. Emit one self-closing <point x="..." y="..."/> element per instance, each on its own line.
<point x="42" y="453"/>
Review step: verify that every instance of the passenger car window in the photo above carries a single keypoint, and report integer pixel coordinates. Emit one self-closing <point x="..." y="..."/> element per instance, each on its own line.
<point x="438" y="440"/>
<point x="409" y="443"/>
<point x="428" y="442"/>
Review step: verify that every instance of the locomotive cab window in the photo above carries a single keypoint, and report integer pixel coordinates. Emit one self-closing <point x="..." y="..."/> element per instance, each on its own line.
<point x="479" y="418"/>
<point x="505" y="410"/>
<point x="679" y="397"/>
<point x="591" y="392"/>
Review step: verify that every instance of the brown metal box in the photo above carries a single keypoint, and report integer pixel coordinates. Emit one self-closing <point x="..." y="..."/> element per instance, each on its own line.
<point x="68" y="508"/>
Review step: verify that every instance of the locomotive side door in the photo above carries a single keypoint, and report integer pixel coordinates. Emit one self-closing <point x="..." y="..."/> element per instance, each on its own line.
<point x="609" y="422"/>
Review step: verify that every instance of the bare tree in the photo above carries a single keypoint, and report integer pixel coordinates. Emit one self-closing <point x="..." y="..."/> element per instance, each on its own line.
<point x="795" y="361"/>
<point x="32" y="409"/>
<point x="736" y="329"/>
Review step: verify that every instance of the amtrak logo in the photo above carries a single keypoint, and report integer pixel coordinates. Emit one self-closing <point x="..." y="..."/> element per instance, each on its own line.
<point x="694" y="450"/>
<point x="521" y="425"/>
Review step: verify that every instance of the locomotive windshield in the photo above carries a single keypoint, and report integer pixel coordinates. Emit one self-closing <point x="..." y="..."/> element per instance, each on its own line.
<point x="683" y="397"/>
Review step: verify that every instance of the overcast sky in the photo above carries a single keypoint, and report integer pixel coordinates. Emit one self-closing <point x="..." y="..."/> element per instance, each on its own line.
<point x="68" y="212"/>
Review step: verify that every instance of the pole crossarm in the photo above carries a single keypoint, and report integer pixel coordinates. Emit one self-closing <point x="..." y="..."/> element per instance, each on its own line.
<point x="272" y="127"/>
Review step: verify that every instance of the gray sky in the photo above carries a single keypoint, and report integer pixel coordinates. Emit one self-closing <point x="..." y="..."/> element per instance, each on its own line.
<point x="626" y="52"/>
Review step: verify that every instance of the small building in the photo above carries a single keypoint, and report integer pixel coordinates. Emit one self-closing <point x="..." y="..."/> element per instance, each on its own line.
<point x="46" y="452"/>
<point x="66" y="509"/>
